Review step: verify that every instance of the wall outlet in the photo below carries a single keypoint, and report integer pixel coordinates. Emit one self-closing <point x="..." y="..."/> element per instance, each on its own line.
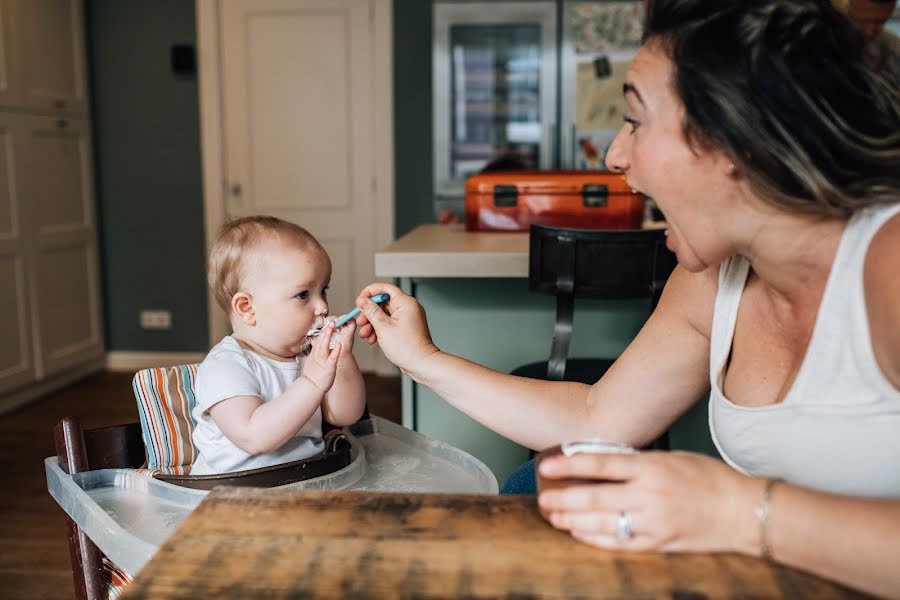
<point x="156" y="319"/>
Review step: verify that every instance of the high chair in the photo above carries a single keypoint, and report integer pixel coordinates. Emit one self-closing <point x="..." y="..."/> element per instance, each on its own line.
<point x="161" y="447"/>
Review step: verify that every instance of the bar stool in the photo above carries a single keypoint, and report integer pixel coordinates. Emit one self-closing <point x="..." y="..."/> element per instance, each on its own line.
<point x="584" y="263"/>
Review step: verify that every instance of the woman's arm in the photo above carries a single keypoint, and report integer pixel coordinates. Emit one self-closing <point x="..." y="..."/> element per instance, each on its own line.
<point x="882" y="289"/>
<point x="682" y="502"/>
<point x="852" y="540"/>
<point x="659" y="376"/>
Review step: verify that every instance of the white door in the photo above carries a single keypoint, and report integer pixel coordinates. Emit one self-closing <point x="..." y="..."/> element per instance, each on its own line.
<point x="298" y="85"/>
<point x="9" y="84"/>
<point x="65" y="288"/>
<point x="16" y="365"/>
<point x="52" y="54"/>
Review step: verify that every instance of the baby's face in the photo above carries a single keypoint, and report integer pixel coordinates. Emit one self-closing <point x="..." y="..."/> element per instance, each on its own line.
<point x="288" y="286"/>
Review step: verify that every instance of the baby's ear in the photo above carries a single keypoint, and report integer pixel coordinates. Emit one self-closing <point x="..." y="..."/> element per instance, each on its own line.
<point x="242" y="308"/>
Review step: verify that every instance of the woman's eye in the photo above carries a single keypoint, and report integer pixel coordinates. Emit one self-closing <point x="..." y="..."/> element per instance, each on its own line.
<point x="634" y="124"/>
<point x="303" y="295"/>
<point x="325" y="291"/>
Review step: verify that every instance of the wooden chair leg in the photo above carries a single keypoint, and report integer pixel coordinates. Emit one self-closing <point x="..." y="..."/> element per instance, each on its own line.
<point x="87" y="560"/>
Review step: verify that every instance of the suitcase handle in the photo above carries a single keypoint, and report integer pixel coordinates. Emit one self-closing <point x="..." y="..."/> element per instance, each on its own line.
<point x="506" y="195"/>
<point x="595" y="195"/>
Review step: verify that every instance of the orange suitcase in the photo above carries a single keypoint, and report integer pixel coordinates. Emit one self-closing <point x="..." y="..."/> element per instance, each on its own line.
<point x="513" y="200"/>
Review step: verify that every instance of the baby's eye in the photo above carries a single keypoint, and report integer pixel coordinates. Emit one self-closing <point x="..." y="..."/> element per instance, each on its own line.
<point x="303" y="295"/>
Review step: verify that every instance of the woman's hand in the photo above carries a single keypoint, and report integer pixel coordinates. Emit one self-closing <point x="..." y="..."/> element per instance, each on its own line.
<point x="320" y="366"/>
<point x="677" y="501"/>
<point x="398" y="325"/>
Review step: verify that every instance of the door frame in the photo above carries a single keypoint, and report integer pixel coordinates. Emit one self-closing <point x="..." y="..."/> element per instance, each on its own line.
<point x="209" y="79"/>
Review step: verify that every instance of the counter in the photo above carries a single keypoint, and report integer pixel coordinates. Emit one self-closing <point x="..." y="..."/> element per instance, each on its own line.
<point x="474" y="288"/>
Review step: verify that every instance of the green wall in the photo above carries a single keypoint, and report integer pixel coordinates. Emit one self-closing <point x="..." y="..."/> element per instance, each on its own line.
<point x="412" y="115"/>
<point x="148" y="170"/>
<point x="147" y="173"/>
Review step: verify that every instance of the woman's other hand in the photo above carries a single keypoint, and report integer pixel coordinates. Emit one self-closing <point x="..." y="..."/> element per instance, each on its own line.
<point x="398" y="325"/>
<point x="677" y="501"/>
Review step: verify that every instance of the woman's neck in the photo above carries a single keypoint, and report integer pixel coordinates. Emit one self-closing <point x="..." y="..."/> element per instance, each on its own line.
<point x="792" y="254"/>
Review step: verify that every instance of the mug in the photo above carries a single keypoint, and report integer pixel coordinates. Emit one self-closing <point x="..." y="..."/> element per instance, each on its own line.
<point x="589" y="446"/>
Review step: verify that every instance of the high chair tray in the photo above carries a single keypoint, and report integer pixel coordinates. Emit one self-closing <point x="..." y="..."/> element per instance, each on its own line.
<point x="128" y="515"/>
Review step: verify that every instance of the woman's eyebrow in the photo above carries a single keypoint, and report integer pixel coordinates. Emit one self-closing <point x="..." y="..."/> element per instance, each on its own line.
<point x="628" y="87"/>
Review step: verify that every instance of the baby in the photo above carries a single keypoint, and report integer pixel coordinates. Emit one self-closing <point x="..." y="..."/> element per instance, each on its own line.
<point x="263" y="391"/>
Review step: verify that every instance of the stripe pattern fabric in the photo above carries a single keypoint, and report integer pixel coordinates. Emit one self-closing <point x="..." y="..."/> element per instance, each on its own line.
<point x="116" y="578"/>
<point x="165" y="398"/>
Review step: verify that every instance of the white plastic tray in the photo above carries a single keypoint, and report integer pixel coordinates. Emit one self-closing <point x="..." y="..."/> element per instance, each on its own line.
<point x="129" y="515"/>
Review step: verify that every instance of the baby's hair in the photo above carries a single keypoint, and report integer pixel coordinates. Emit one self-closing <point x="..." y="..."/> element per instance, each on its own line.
<point x="234" y="247"/>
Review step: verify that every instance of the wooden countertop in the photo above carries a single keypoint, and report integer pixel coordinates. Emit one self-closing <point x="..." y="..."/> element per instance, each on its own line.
<point x="451" y="251"/>
<point x="255" y="543"/>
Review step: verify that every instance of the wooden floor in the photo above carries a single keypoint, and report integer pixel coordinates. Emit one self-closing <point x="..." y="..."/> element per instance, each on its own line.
<point x="34" y="557"/>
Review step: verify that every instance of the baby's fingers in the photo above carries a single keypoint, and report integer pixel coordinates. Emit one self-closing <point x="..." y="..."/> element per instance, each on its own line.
<point x="323" y="341"/>
<point x="333" y="355"/>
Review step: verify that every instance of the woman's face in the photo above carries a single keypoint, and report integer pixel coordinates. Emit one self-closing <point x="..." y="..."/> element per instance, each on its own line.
<point x="692" y="187"/>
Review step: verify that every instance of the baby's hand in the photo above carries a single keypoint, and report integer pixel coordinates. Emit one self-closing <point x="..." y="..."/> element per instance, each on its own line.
<point x="345" y="338"/>
<point x="321" y="364"/>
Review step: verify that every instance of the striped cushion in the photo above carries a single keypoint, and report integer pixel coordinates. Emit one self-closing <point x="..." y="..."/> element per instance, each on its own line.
<point x="116" y="579"/>
<point x="165" y="398"/>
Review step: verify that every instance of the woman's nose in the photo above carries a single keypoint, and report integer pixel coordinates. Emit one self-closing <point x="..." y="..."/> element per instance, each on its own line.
<point x="615" y="155"/>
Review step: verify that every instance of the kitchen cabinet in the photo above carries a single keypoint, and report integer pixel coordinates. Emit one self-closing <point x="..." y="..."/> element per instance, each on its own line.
<point x="49" y="274"/>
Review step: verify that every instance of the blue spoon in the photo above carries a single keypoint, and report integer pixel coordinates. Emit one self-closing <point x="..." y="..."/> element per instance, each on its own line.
<point x="377" y="299"/>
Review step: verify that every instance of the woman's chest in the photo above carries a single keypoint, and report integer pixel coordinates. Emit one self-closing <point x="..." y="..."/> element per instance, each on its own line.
<point x="767" y="352"/>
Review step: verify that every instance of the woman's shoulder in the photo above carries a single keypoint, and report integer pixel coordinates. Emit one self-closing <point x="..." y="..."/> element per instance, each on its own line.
<point x="691" y="297"/>
<point x="881" y="282"/>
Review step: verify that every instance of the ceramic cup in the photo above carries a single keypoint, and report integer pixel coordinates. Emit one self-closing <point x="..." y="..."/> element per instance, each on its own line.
<point x="590" y="446"/>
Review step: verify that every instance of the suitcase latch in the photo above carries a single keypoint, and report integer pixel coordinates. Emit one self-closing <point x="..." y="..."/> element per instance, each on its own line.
<point x="594" y="194"/>
<point x="506" y="195"/>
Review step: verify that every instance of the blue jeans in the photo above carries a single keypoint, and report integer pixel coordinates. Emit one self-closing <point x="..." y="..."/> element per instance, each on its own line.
<point x="521" y="481"/>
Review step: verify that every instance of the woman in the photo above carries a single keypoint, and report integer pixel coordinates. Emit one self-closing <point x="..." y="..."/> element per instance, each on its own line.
<point x="768" y="132"/>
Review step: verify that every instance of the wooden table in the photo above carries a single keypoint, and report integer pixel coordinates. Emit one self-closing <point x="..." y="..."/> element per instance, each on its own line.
<point x="252" y="543"/>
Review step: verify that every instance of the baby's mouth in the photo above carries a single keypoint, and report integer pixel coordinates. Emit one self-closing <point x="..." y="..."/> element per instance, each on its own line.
<point x="317" y="329"/>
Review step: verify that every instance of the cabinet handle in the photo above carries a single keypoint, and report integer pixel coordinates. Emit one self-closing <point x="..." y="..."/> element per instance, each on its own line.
<point x="236" y="190"/>
<point x="62" y="124"/>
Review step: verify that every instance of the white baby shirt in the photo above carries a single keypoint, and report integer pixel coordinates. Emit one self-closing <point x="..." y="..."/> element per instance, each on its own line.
<point x="228" y="371"/>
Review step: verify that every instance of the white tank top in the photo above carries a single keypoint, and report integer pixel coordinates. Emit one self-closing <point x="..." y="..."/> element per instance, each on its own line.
<point x="838" y="428"/>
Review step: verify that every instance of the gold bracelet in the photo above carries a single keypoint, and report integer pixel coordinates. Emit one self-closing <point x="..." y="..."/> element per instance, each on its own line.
<point x="763" y="509"/>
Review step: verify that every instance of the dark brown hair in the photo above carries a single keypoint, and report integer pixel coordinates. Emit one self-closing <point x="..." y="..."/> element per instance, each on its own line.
<point x="791" y="91"/>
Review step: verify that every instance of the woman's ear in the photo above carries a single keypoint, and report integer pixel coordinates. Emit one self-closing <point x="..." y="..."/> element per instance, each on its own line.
<point x="242" y="308"/>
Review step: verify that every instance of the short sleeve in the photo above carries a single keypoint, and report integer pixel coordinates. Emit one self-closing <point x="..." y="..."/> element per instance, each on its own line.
<point x="225" y="375"/>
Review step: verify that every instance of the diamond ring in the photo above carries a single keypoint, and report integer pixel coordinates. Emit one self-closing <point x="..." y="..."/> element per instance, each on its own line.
<point x="623" y="527"/>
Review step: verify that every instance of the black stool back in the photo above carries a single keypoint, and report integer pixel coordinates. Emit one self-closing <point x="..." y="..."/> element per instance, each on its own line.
<point x="584" y="263"/>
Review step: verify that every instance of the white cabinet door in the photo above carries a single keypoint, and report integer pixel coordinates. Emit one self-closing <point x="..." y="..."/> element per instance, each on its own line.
<point x="51" y="54"/>
<point x="298" y="83"/>
<point x="16" y="364"/>
<point x="65" y="290"/>
<point x="10" y="88"/>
